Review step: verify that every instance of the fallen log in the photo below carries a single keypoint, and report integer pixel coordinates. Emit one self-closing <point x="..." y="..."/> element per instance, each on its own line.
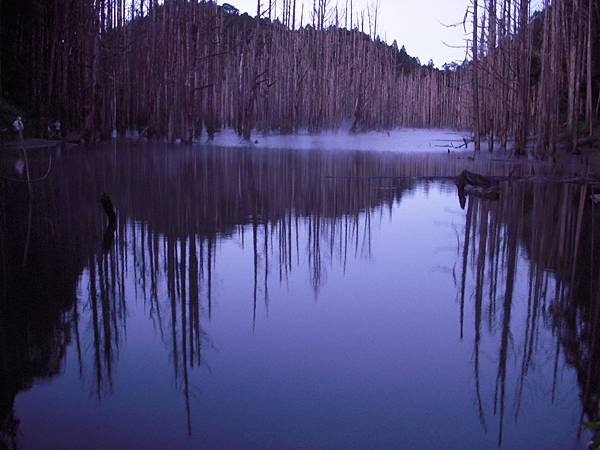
<point x="470" y="183"/>
<point x="467" y="178"/>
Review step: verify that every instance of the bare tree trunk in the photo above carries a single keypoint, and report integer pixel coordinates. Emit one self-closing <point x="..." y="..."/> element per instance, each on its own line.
<point x="475" y="76"/>
<point x="589" y="108"/>
<point x="522" y="130"/>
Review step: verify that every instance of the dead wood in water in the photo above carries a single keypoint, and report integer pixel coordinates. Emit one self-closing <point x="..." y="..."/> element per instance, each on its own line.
<point x="474" y="179"/>
<point x="109" y="237"/>
<point x="470" y="183"/>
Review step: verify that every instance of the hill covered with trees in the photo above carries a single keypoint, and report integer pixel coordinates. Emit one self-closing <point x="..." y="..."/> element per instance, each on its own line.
<point x="175" y="68"/>
<point x="178" y="66"/>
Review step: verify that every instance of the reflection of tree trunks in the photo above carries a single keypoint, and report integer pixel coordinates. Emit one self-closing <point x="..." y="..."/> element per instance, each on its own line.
<point x="582" y="201"/>
<point x="500" y="394"/>
<point x="494" y="255"/>
<point x="77" y="337"/>
<point x="591" y="384"/>
<point x="266" y="256"/>
<point x="464" y="266"/>
<point x="255" y="254"/>
<point x="339" y="216"/>
<point x="209" y="264"/>
<point x="173" y="299"/>
<point x="290" y="229"/>
<point x="96" y="328"/>
<point x="194" y="302"/>
<point x="555" y="370"/>
<point x="530" y="331"/>
<point x="480" y="279"/>
<point x="108" y="238"/>
<point x="184" y="361"/>
<point x="106" y="316"/>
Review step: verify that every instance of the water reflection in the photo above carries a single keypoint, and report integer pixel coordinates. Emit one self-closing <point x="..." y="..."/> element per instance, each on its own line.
<point x="524" y="269"/>
<point x="553" y="225"/>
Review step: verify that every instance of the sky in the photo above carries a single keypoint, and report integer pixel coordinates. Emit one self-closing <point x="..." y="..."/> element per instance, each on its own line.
<point x="416" y="24"/>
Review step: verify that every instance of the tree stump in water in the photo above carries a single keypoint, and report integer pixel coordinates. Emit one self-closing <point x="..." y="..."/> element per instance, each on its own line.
<point x="477" y="185"/>
<point x="474" y="179"/>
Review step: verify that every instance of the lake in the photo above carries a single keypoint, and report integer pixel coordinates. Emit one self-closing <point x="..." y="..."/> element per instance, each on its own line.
<point x="272" y="299"/>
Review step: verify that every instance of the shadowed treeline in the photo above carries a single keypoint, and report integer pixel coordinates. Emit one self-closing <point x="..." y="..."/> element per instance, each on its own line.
<point x="176" y="207"/>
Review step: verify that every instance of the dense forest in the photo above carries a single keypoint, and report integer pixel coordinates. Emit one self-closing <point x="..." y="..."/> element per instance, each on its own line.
<point x="535" y="77"/>
<point x="181" y="66"/>
<point x="175" y="68"/>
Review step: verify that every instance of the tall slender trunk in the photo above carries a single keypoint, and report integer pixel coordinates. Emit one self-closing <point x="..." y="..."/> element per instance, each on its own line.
<point x="475" y="75"/>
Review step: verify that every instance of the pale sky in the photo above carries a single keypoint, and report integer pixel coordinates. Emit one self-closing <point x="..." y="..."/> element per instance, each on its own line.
<point x="416" y="24"/>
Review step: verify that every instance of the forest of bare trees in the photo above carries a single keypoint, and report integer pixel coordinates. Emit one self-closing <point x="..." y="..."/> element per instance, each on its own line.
<point x="533" y="74"/>
<point x="176" y="68"/>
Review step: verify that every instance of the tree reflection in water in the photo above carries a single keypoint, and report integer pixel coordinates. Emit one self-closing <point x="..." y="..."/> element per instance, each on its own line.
<point x="176" y="207"/>
<point x="553" y="224"/>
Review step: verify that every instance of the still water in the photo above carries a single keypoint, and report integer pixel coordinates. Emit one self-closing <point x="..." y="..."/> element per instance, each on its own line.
<point x="293" y="299"/>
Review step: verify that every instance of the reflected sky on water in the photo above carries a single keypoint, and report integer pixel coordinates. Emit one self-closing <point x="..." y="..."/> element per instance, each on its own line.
<point x="294" y="299"/>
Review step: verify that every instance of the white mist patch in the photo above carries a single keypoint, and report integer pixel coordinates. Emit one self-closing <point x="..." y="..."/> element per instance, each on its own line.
<point x="402" y="140"/>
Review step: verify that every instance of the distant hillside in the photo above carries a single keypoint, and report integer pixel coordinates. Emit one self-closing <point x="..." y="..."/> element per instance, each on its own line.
<point x="179" y="67"/>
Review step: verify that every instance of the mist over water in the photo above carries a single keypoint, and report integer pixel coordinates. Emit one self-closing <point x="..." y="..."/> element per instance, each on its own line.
<point x="263" y="298"/>
<point x="399" y="140"/>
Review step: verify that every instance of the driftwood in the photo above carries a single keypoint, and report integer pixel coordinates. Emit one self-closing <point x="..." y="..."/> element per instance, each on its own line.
<point x="470" y="183"/>
<point x="467" y="178"/>
<point x="109" y="237"/>
<point x="450" y="143"/>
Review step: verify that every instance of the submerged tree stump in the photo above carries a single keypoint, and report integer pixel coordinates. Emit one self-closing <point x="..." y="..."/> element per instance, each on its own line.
<point x="469" y="183"/>
<point x="467" y="178"/>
